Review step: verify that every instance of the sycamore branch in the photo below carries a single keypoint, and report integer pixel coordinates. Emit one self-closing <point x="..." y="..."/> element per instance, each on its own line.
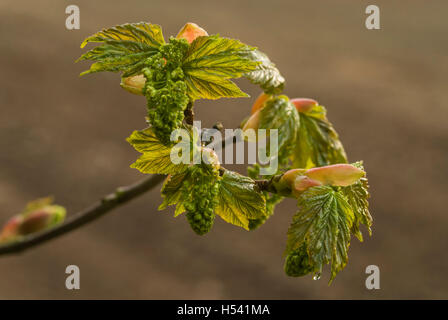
<point x="111" y="201"/>
<point x="121" y="196"/>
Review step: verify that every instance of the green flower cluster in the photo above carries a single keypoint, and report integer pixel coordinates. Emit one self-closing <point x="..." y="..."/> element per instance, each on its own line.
<point x="202" y="188"/>
<point x="165" y="88"/>
<point x="298" y="262"/>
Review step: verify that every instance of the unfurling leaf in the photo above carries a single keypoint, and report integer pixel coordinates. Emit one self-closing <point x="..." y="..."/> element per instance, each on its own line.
<point x="156" y="156"/>
<point x="37" y="204"/>
<point x="280" y="114"/>
<point x="122" y="46"/>
<point x="172" y="192"/>
<point x="209" y="64"/>
<point x="357" y="196"/>
<point x="317" y="142"/>
<point x="239" y="200"/>
<point x="323" y="222"/>
<point x="266" y="75"/>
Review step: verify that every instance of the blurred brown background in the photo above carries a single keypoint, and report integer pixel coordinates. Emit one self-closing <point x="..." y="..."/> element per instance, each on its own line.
<point x="386" y="94"/>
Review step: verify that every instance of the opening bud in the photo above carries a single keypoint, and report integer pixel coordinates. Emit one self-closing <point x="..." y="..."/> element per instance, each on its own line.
<point x="41" y="219"/>
<point x="341" y="175"/>
<point x="259" y="103"/>
<point x="191" y="31"/>
<point x="210" y="157"/>
<point x="304" y="104"/>
<point x="134" y="84"/>
<point x="302" y="183"/>
<point x="253" y="122"/>
<point x="11" y="228"/>
<point x="293" y="182"/>
<point x="37" y="216"/>
<point x="290" y="176"/>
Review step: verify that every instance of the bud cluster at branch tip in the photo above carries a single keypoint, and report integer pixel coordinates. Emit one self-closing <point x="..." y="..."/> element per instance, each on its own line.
<point x="253" y="122"/>
<point x="135" y="84"/>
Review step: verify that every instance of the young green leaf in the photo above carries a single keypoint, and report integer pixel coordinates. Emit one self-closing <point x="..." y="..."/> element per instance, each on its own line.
<point x="173" y="192"/>
<point x="271" y="201"/>
<point x="156" y="156"/>
<point x="122" y="46"/>
<point x="279" y="113"/>
<point x="37" y="204"/>
<point x="357" y="196"/>
<point x="266" y="75"/>
<point x="209" y="64"/>
<point x="239" y="200"/>
<point x="324" y="220"/>
<point x="317" y="142"/>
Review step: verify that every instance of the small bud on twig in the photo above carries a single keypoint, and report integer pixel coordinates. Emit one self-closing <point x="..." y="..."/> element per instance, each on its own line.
<point x="37" y="216"/>
<point x="10" y="229"/>
<point x="42" y="219"/>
